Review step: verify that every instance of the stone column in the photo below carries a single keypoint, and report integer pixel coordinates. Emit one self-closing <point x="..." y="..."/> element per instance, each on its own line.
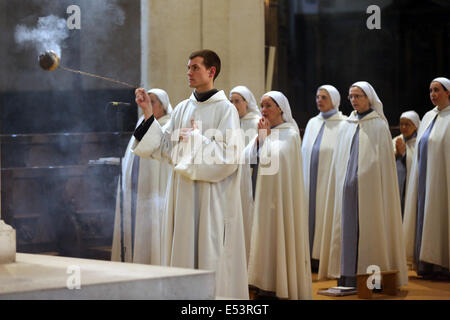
<point x="7" y="243"/>
<point x="172" y="29"/>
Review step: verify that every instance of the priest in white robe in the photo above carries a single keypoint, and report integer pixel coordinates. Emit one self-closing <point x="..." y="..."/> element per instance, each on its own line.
<point x="249" y="116"/>
<point x="144" y="185"/>
<point x="203" y="227"/>
<point x="427" y="208"/>
<point x="319" y="143"/>
<point x="279" y="253"/>
<point x="363" y="223"/>
<point x="404" y="146"/>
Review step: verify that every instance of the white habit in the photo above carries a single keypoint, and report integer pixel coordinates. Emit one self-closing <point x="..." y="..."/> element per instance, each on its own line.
<point x="380" y="239"/>
<point x="203" y="225"/>
<point x="150" y="201"/>
<point x="435" y="246"/>
<point x="249" y="126"/>
<point x="279" y="252"/>
<point x="410" y="148"/>
<point x="127" y="165"/>
<point x="249" y="122"/>
<point x="327" y="147"/>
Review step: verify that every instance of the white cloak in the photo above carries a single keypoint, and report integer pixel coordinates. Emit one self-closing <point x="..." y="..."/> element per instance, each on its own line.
<point x="279" y="252"/>
<point x="435" y="237"/>
<point x="380" y="221"/>
<point x="150" y="208"/>
<point x="327" y="147"/>
<point x="152" y="182"/>
<point x="127" y="164"/>
<point x="410" y="148"/>
<point x="249" y="125"/>
<point x="203" y="225"/>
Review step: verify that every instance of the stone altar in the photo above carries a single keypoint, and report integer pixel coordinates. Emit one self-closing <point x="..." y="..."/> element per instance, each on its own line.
<point x="41" y="277"/>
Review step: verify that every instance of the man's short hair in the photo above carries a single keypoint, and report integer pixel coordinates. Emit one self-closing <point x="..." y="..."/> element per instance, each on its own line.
<point x="210" y="59"/>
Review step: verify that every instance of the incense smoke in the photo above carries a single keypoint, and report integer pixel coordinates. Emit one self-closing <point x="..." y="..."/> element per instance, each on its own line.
<point x="49" y="33"/>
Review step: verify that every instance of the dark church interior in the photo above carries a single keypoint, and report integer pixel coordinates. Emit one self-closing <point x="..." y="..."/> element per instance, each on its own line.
<point x="53" y="123"/>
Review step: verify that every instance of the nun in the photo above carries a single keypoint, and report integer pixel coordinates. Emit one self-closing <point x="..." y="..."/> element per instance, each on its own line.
<point x="363" y="226"/>
<point x="144" y="187"/>
<point x="279" y="263"/>
<point x="427" y="208"/>
<point x="318" y="146"/>
<point x="404" y="146"/>
<point x="249" y="115"/>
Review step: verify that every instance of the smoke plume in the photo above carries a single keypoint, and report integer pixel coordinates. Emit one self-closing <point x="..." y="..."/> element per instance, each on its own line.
<point x="49" y="34"/>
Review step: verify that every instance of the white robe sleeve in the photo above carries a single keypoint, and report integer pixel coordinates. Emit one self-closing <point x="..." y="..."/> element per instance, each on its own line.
<point x="213" y="155"/>
<point x="156" y="142"/>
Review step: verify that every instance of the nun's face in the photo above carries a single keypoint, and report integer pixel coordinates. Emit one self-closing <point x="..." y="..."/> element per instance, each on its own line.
<point x="407" y="127"/>
<point x="158" y="109"/>
<point x="240" y="104"/>
<point x="323" y="101"/>
<point x="358" y="99"/>
<point x="271" y="111"/>
<point x="438" y="96"/>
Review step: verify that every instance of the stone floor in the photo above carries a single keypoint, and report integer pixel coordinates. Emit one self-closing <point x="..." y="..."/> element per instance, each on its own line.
<point x="417" y="289"/>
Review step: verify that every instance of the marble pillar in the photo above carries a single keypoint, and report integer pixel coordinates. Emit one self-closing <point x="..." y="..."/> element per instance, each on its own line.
<point x="172" y="29"/>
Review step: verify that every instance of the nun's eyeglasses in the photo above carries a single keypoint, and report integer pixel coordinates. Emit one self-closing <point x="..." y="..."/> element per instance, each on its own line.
<point x="234" y="101"/>
<point x="356" y="96"/>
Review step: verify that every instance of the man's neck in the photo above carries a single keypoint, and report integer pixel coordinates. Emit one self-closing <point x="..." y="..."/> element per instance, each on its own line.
<point x="203" y="96"/>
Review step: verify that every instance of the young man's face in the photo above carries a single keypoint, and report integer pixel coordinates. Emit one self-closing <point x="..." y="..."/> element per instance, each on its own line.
<point x="198" y="75"/>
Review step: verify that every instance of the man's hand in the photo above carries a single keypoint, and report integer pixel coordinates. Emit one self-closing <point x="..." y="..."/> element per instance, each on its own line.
<point x="185" y="133"/>
<point x="400" y="147"/>
<point x="143" y="101"/>
<point x="263" y="130"/>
